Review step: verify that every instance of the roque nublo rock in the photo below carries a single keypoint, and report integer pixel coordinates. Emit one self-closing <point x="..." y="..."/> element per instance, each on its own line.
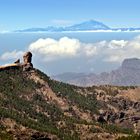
<point x="27" y="58"/>
<point x="26" y="65"/>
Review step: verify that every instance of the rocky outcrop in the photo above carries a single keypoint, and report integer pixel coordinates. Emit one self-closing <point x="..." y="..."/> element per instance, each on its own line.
<point x="120" y="109"/>
<point x="26" y="65"/>
<point x="10" y="66"/>
<point x="133" y="63"/>
<point x="27" y="58"/>
<point x="17" y="61"/>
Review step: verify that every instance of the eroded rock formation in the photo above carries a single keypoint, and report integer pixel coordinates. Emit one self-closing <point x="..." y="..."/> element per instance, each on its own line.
<point x="27" y="58"/>
<point x="26" y="65"/>
<point x="17" y="61"/>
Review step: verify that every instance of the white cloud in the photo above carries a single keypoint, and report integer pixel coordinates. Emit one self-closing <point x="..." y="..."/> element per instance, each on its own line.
<point x="63" y="48"/>
<point x="52" y="50"/>
<point x="117" y="44"/>
<point x="89" y="49"/>
<point x="123" y="49"/>
<point x="11" y="55"/>
<point x="111" y="51"/>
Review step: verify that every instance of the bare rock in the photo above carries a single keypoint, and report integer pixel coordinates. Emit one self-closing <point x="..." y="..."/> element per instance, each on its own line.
<point x="27" y="58"/>
<point x="101" y="119"/>
<point x="39" y="136"/>
<point x="17" y="61"/>
<point x="27" y="67"/>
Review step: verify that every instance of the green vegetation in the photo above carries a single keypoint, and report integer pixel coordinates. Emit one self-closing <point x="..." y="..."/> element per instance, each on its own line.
<point x="63" y="90"/>
<point x="4" y="135"/>
<point x="22" y="102"/>
<point x="133" y="137"/>
<point x="111" y="128"/>
<point x="14" y="86"/>
<point x="67" y="91"/>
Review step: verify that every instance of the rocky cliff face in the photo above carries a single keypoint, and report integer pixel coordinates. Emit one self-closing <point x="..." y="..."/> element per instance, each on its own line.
<point x="133" y="63"/>
<point x="128" y="74"/>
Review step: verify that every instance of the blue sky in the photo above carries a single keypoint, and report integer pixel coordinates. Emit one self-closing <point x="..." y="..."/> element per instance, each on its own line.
<point x="19" y="14"/>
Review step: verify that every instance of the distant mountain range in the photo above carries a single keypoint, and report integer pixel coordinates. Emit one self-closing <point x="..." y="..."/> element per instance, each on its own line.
<point x="90" y="25"/>
<point x="127" y="75"/>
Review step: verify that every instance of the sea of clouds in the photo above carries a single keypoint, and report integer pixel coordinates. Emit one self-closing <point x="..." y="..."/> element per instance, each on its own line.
<point x="50" y="50"/>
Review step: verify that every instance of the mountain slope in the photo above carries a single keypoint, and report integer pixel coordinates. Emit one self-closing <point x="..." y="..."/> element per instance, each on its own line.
<point x="32" y="106"/>
<point x="84" y="26"/>
<point x="88" y="25"/>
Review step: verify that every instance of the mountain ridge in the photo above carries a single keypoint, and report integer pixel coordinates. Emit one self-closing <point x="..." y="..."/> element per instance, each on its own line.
<point x="126" y="75"/>
<point x="91" y="25"/>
